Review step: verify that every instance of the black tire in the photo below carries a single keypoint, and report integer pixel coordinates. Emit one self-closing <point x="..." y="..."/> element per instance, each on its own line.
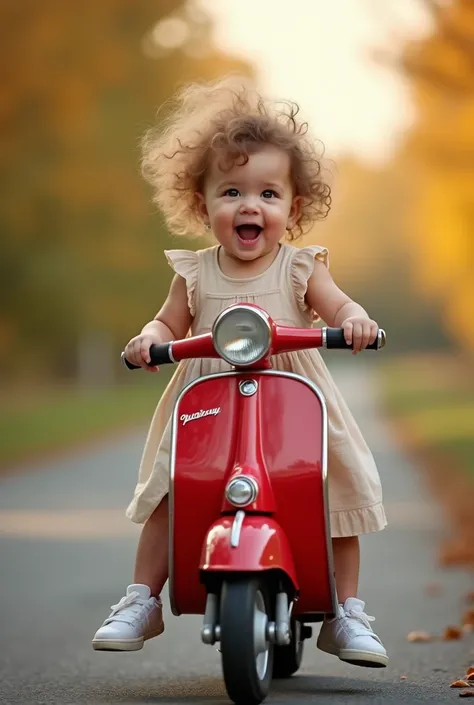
<point x="247" y="681"/>
<point x="287" y="659"/>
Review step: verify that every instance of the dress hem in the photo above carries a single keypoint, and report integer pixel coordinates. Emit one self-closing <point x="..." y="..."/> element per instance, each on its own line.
<point x="343" y="522"/>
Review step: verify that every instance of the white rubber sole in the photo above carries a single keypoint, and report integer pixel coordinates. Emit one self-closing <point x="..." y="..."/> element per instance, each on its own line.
<point x="367" y="659"/>
<point x="124" y="644"/>
<point x="363" y="658"/>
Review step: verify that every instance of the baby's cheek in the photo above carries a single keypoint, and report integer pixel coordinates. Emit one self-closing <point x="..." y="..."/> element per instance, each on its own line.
<point x="224" y="219"/>
<point x="277" y="218"/>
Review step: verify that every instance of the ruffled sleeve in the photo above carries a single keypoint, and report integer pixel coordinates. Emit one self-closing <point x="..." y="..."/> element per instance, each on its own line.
<point x="302" y="265"/>
<point x="186" y="264"/>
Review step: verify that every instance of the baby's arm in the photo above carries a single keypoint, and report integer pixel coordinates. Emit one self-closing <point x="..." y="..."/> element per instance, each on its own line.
<point x="339" y="310"/>
<point x="172" y="322"/>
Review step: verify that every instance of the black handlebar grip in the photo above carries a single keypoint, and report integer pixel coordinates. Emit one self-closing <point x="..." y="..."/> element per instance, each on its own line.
<point x="159" y="354"/>
<point x="333" y="339"/>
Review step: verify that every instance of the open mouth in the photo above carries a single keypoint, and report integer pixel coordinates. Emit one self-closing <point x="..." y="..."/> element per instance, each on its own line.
<point x="249" y="233"/>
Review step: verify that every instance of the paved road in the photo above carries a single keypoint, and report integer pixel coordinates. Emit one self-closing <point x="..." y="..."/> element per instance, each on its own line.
<point x="66" y="554"/>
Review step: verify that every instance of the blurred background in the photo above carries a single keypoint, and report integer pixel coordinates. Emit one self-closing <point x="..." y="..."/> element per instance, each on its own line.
<point x="389" y="89"/>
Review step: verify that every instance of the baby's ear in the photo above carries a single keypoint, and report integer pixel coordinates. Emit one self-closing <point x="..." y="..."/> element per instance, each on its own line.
<point x="201" y="207"/>
<point x="295" y="212"/>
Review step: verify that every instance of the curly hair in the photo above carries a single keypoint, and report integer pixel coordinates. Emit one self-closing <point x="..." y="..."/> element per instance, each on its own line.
<point x="229" y="120"/>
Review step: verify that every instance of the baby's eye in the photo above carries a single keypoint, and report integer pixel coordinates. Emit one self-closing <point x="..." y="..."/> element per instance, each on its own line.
<point x="232" y="192"/>
<point x="268" y="193"/>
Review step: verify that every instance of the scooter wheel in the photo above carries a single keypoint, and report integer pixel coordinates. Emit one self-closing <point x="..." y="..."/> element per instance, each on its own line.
<point x="287" y="659"/>
<point x="247" y="654"/>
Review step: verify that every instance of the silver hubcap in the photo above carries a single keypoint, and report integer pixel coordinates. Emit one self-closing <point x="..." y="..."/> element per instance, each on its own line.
<point x="260" y="622"/>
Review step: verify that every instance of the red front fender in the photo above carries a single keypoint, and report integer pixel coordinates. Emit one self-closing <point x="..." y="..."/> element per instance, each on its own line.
<point x="262" y="545"/>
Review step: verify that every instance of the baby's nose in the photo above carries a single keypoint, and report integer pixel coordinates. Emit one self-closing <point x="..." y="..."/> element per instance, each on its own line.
<point x="250" y="205"/>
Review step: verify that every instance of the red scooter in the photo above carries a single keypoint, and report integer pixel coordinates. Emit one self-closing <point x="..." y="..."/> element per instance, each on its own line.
<point x="250" y="545"/>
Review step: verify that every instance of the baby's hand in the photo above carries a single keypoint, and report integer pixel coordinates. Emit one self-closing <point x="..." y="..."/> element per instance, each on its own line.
<point x="360" y="332"/>
<point x="137" y="350"/>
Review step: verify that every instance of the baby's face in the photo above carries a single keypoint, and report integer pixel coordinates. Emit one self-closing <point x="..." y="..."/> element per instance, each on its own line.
<point x="250" y="207"/>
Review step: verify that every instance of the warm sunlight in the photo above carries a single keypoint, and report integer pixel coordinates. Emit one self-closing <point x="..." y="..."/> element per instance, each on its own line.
<point x="316" y="513"/>
<point x="318" y="53"/>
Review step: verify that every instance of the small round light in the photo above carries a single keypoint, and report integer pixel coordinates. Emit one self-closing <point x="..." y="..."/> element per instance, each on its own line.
<point x="242" y="335"/>
<point x="241" y="491"/>
<point x="248" y="387"/>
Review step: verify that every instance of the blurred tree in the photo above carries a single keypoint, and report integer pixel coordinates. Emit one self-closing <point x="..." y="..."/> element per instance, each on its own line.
<point x="370" y="257"/>
<point x="81" y="247"/>
<point x="439" y="159"/>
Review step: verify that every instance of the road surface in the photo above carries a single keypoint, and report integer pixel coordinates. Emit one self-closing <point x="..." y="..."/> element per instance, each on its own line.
<point x="66" y="555"/>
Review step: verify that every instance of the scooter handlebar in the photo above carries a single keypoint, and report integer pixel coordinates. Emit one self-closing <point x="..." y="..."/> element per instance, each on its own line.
<point x="333" y="339"/>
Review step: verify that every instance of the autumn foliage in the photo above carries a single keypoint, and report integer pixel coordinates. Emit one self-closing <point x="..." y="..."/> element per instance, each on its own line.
<point x="81" y="244"/>
<point x="441" y="152"/>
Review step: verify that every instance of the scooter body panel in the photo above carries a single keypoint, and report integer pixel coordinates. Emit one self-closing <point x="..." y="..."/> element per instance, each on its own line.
<point x="290" y="420"/>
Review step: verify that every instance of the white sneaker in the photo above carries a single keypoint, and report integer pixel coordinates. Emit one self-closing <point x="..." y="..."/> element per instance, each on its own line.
<point x="136" y="618"/>
<point x="350" y="637"/>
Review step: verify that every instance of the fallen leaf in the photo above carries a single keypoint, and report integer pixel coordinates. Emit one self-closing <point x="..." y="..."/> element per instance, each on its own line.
<point x="452" y="634"/>
<point x="470" y="677"/>
<point x="468" y="628"/>
<point x="419" y="636"/>
<point x="470" y="671"/>
<point x="468" y="618"/>
<point x="467" y="693"/>
<point x="459" y="684"/>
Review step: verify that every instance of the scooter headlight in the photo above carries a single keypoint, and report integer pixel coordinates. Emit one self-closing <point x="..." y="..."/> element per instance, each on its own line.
<point x="241" y="491"/>
<point x="242" y="335"/>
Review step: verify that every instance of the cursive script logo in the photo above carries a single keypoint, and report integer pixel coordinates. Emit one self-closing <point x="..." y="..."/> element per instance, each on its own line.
<point x="199" y="415"/>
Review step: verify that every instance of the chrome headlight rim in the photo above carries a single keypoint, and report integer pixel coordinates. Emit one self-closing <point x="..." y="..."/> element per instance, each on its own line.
<point x="249" y="481"/>
<point x="253" y="312"/>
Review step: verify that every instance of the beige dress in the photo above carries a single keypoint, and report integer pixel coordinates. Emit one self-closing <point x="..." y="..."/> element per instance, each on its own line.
<point x="355" y="492"/>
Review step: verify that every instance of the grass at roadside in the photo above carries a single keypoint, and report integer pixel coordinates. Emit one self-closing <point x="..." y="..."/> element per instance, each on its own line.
<point x="57" y="418"/>
<point x="433" y="399"/>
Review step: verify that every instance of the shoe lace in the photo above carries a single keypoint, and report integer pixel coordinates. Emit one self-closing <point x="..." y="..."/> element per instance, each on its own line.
<point x="365" y="619"/>
<point x="127" y="609"/>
